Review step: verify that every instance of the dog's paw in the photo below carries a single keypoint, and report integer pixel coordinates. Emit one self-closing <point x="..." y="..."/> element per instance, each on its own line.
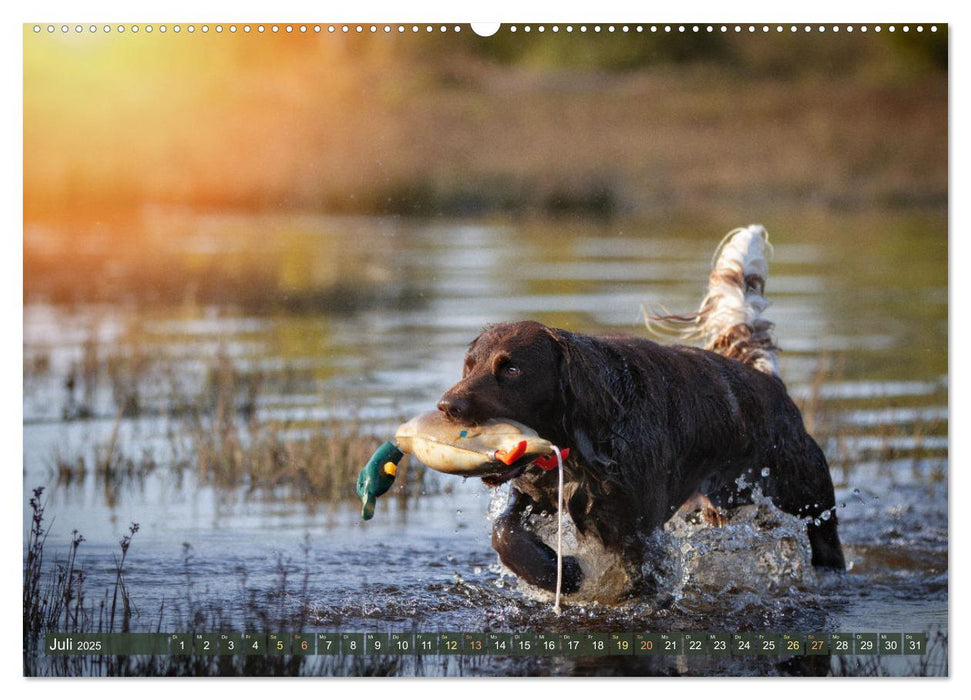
<point x="572" y="575"/>
<point x="698" y="510"/>
<point x="712" y="516"/>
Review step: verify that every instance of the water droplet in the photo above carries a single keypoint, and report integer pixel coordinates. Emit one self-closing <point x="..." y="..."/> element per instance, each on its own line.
<point x="458" y="512"/>
<point x="766" y="471"/>
<point x="825" y="515"/>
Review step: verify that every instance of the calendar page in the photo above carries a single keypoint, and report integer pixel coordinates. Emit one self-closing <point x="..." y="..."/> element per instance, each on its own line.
<point x="670" y="300"/>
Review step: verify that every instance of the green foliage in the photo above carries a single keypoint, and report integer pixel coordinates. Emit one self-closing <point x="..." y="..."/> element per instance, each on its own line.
<point x="590" y="50"/>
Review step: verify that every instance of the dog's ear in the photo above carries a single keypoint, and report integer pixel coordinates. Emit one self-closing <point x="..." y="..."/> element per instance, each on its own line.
<point x="584" y="384"/>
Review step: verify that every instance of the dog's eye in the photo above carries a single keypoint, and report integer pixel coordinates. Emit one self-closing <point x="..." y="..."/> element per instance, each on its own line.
<point x="504" y="367"/>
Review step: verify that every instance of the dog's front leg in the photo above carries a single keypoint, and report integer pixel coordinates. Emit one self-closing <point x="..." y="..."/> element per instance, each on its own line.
<point x="525" y="553"/>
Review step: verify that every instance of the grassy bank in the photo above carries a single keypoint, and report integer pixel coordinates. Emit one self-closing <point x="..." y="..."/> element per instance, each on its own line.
<point x="130" y="194"/>
<point x="549" y="124"/>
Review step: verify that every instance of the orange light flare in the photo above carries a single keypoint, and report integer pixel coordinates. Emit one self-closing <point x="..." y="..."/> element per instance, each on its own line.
<point x="116" y="120"/>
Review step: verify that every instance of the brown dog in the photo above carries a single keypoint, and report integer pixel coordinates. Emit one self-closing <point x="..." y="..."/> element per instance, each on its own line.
<point x="649" y="426"/>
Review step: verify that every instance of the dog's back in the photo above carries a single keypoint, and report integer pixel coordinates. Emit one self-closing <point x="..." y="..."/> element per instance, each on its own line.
<point x="730" y="322"/>
<point x="649" y="425"/>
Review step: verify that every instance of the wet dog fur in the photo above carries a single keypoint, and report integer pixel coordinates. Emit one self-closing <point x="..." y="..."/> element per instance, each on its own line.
<point x="649" y="427"/>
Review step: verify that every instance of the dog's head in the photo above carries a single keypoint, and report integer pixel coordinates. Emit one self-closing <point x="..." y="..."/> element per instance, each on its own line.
<point x="558" y="383"/>
<point x="563" y="385"/>
<point x="511" y="371"/>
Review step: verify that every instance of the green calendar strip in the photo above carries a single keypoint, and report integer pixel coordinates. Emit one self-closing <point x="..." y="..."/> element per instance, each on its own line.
<point x="784" y="644"/>
<point x="112" y="644"/>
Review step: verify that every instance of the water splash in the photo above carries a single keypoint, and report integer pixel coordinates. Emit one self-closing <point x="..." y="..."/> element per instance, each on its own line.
<point x="606" y="579"/>
<point x="759" y="556"/>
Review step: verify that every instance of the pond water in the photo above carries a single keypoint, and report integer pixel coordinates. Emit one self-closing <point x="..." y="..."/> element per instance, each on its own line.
<point x="860" y="306"/>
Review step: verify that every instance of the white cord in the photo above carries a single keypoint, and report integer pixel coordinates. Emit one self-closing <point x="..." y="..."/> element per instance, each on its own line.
<point x="559" y="531"/>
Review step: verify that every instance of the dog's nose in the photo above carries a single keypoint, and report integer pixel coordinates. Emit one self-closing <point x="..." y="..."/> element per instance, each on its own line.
<point x="455" y="408"/>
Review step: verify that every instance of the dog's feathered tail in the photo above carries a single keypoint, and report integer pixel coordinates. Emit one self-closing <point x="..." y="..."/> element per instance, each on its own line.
<point x="729" y="320"/>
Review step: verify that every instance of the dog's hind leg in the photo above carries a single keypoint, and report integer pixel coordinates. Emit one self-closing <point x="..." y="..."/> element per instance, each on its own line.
<point x="525" y="553"/>
<point x="804" y="488"/>
<point x="825" y="541"/>
<point x="797" y="482"/>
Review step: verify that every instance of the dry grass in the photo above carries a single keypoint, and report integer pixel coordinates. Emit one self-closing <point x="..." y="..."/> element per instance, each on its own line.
<point x="63" y="605"/>
<point x="216" y="431"/>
